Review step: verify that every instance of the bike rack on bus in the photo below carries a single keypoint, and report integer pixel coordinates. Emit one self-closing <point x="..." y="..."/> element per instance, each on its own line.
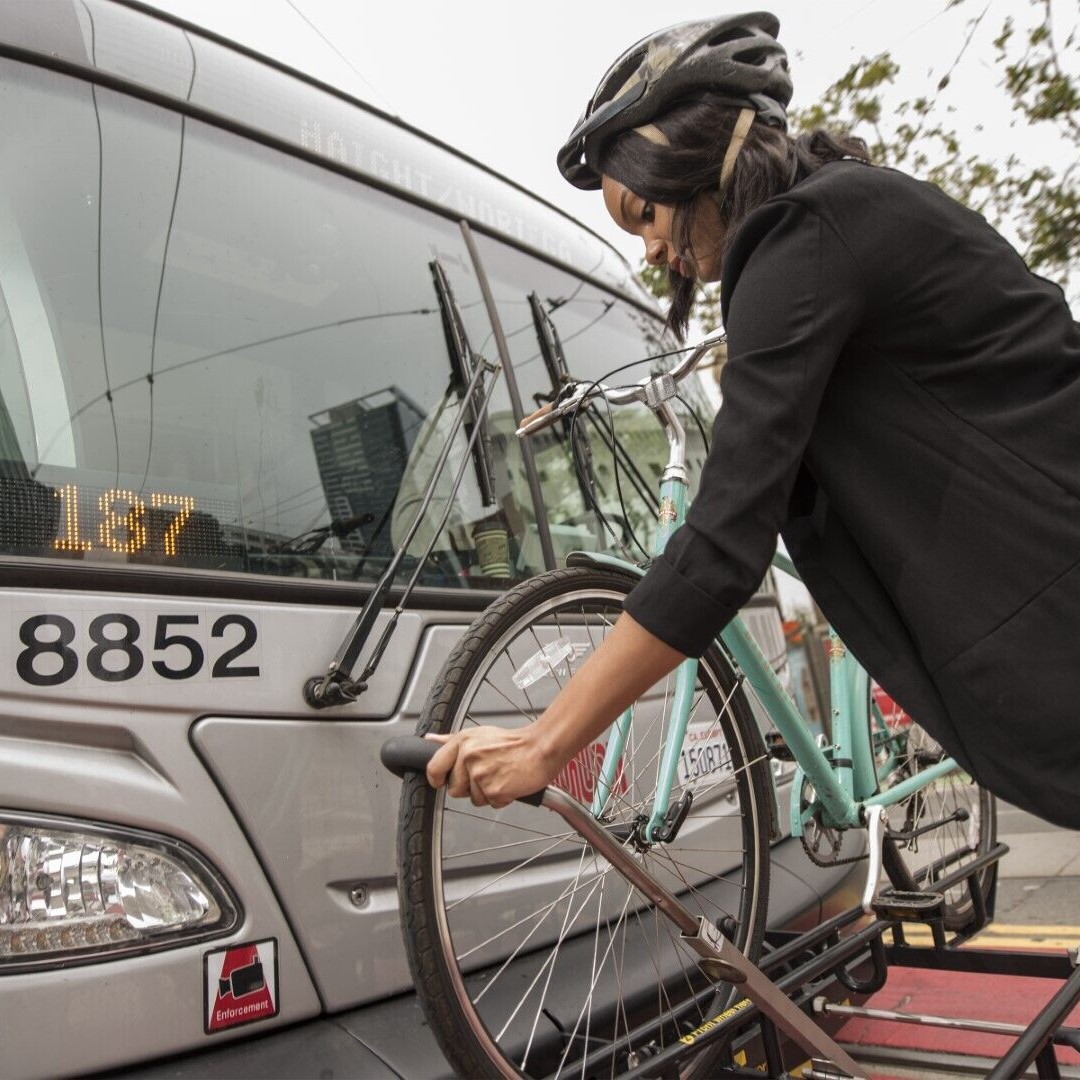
<point x="794" y="981"/>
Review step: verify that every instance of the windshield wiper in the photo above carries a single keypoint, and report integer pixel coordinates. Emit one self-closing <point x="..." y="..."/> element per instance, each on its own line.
<point x="463" y="363"/>
<point x="554" y="358"/>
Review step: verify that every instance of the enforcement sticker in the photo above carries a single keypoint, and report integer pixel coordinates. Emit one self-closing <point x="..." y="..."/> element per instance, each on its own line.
<point x="239" y="985"/>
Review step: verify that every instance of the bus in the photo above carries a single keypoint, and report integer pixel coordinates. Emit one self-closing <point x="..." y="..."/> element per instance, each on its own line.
<point x="238" y="310"/>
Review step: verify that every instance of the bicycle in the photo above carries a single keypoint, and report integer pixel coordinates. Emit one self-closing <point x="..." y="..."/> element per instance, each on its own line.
<point x="529" y="955"/>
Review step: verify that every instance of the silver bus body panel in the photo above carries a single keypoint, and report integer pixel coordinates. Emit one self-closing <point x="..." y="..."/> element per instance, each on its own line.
<point x="292" y="642"/>
<point x="328" y="826"/>
<point x="128" y="763"/>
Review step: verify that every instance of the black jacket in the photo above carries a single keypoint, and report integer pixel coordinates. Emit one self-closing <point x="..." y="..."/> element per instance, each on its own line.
<point x="902" y="403"/>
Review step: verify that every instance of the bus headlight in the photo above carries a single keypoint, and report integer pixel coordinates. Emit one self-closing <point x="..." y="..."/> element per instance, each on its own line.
<point x="71" y="892"/>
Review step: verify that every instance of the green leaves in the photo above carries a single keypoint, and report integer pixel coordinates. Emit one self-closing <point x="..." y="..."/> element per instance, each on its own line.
<point x="1035" y="202"/>
<point x="655" y="279"/>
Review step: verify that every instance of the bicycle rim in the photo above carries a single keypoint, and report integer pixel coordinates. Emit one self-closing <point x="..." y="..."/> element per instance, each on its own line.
<point x="548" y="962"/>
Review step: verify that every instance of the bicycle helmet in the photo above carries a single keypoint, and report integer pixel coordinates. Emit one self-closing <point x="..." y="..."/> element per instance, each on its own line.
<point x="737" y="56"/>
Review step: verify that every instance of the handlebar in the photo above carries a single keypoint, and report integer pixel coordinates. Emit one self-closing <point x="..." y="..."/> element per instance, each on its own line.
<point x="688" y="363"/>
<point x="653" y="390"/>
<point x="407" y="753"/>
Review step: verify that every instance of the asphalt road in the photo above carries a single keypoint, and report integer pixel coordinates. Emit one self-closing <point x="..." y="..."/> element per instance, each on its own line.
<point x="1039" y="880"/>
<point x="1038" y="892"/>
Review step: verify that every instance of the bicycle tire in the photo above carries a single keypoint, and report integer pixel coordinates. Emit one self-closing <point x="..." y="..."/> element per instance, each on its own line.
<point x="960" y="817"/>
<point x="589" y="971"/>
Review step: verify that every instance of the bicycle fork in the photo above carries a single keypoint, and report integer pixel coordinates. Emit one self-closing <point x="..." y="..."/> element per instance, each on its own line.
<point x="683" y="697"/>
<point x="718" y="958"/>
<point x="672" y="513"/>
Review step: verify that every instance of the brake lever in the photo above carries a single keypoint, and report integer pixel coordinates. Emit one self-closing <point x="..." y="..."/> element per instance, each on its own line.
<point x="553" y="411"/>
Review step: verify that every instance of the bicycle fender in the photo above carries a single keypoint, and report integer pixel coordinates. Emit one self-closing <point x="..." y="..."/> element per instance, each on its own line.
<point x="604" y="562"/>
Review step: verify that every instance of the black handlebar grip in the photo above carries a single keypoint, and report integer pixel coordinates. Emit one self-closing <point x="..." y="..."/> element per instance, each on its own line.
<point x="407" y="753"/>
<point x="411" y="753"/>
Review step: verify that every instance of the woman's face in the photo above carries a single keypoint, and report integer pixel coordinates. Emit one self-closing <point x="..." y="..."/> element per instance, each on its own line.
<point x="653" y="223"/>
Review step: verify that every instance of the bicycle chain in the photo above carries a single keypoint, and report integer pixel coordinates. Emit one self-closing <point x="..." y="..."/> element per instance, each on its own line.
<point x="812" y="855"/>
<point x="818" y="861"/>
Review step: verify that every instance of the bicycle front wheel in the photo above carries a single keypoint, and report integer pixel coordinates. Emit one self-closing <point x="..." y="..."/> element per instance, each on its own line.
<point x="532" y="957"/>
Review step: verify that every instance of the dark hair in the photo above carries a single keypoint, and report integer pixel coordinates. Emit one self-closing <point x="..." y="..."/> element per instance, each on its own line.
<point x="698" y="132"/>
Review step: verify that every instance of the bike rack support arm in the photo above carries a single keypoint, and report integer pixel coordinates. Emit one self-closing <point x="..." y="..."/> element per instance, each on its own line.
<point x="720" y="958"/>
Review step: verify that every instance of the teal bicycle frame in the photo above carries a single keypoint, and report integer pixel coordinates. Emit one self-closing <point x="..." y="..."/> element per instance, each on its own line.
<point x="845" y="775"/>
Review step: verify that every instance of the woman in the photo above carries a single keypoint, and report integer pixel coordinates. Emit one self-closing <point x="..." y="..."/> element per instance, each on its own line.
<point x="901" y="403"/>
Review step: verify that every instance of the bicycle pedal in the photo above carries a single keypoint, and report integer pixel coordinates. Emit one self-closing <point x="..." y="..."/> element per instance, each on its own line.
<point x="777" y="747"/>
<point x="909" y="906"/>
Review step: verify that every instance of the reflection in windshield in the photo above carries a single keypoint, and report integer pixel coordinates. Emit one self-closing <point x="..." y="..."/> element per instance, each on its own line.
<point x="361" y="448"/>
<point x="212" y="355"/>
<point x="215" y="356"/>
<point x="63" y="429"/>
<point x="599" y="334"/>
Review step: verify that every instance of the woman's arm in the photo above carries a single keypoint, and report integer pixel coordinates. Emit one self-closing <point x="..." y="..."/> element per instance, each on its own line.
<point x="493" y="766"/>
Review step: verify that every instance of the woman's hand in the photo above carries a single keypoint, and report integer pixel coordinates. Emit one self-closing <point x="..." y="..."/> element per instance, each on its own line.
<point x="491" y="766"/>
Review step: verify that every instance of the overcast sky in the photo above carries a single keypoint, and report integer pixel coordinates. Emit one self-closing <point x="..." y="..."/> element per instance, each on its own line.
<point x="505" y="81"/>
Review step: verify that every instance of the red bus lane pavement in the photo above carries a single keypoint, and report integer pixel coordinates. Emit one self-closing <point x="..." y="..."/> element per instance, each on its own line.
<point x="1037" y="909"/>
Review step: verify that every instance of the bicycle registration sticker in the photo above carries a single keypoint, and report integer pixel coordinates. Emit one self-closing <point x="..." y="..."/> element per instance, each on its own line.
<point x="704" y="753"/>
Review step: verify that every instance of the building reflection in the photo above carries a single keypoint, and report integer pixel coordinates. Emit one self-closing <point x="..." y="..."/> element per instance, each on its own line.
<point x="361" y="449"/>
